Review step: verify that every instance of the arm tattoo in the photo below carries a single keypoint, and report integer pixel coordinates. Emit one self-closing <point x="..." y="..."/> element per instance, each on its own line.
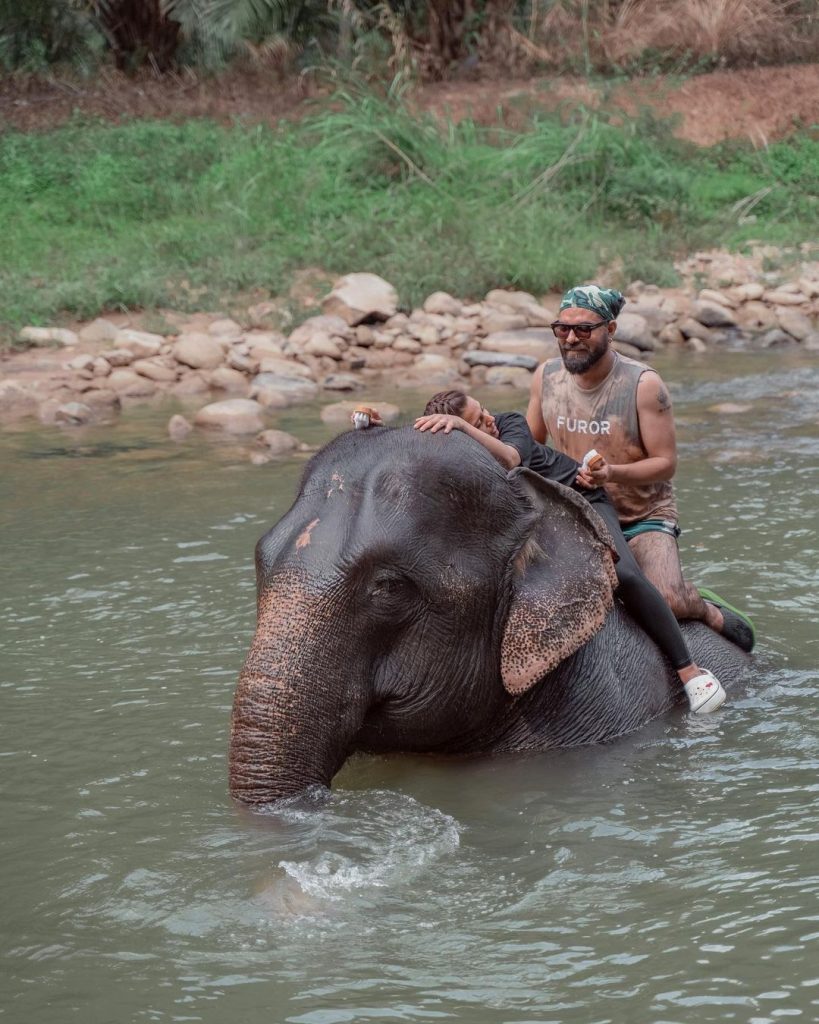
<point x="663" y="401"/>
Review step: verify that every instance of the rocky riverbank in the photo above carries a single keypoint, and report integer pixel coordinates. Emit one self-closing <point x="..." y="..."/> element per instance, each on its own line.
<point x="237" y="375"/>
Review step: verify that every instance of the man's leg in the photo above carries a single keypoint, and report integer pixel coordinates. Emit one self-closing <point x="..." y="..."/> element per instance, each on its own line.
<point x="659" y="558"/>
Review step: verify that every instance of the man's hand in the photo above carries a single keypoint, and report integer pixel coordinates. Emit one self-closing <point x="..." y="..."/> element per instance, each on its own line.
<point x="440" y="421"/>
<point x="601" y="474"/>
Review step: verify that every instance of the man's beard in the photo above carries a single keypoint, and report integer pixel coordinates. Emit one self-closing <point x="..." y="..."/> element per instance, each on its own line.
<point x="576" y="362"/>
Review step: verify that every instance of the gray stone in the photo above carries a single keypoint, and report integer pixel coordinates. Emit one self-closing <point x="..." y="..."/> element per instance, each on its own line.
<point x="244" y="364"/>
<point x="633" y="329"/>
<point x="691" y="328"/>
<point x="749" y="291"/>
<point x="74" y="414"/>
<point x="794" y="322"/>
<point x="141" y="343"/>
<point x="484" y="358"/>
<point x="774" y="338"/>
<point x="233" y="416"/>
<point x="341" y="382"/>
<point x="78" y="363"/>
<point x="103" y="400"/>
<point x="508" y="376"/>
<point x="277" y="442"/>
<point x="405" y="344"/>
<point x="275" y="391"/>
<point x="713" y="315"/>
<point x="357" y="298"/>
<point x="709" y="295"/>
<point x="811" y="343"/>
<point x="101" y="367"/>
<point x="538" y="342"/>
<point x="199" y="351"/>
<point x="179" y="428"/>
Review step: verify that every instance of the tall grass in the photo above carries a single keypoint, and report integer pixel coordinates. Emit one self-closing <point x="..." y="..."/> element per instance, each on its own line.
<point x="150" y="213"/>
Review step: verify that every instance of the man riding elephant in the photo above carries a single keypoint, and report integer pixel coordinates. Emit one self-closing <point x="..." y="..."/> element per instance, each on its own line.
<point x="595" y="398"/>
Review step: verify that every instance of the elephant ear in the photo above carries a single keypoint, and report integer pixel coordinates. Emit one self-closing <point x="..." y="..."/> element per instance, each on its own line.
<point x="564" y="579"/>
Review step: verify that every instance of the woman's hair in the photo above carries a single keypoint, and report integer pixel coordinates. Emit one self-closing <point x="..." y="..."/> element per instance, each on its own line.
<point x="449" y="403"/>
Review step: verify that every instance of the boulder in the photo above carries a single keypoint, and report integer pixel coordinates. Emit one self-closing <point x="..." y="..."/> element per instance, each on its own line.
<point x="154" y="369"/>
<point x="538" y="316"/>
<point x="285" y="368"/>
<point x="811" y="343"/>
<point x="273" y="390"/>
<point x="749" y="291"/>
<point x="510" y="300"/>
<point x="49" y="336"/>
<point x="321" y="344"/>
<point x="199" y="351"/>
<point x="691" y="328"/>
<point x="277" y="442"/>
<point x="357" y="298"/>
<point x="80" y="363"/>
<point x="99" y="330"/>
<point x="671" y="335"/>
<point x="118" y="357"/>
<point x="244" y="364"/>
<point x="537" y="342"/>
<point x="190" y="384"/>
<point x="261" y="343"/>
<point x="405" y="344"/>
<point x="774" y="338"/>
<point x="494" y="321"/>
<point x="434" y="363"/>
<point x="484" y="358"/>
<point x="233" y="416"/>
<point x="15" y="401"/>
<point x="508" y="376"/>
<point x="711" y="314"/>
<point x="756" y="316"/>
<point x="709" y="295"/>
<point x="101" y="367"/>
<point x="428" y="334"/>
<point x="783" y="298"/>
<point x="225" y="328"/>
<point x="656" y="316"/>
<point x="73" y="414"/>
<point x="442" y="303"/>
<point x="341" y="382"/>
<point x="794" y="322"/>
<point x="633" y="329"/>
<point x="102" y="400"/>
<point x="179" y="428"/>
<point x="128" y="384"/>
<point x="223" y="378"/>
<point x="141" y="343"/>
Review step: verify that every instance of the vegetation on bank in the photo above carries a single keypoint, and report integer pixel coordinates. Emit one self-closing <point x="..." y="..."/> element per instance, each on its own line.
<point x="427" y="37"/>
<point x="146" y="214"/>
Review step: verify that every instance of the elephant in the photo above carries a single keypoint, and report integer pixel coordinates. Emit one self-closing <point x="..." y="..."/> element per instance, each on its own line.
<point x="416" y="597"/>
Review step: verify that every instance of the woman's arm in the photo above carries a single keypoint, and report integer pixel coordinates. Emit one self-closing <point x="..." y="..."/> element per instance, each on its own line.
<point x="505" y="454"/>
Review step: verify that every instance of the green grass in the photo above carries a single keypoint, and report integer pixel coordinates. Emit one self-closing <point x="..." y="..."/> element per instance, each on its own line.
<point x="146" y="214"/>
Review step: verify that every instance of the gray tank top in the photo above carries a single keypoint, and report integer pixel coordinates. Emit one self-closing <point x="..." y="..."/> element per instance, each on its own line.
<point x="605" y="418"/>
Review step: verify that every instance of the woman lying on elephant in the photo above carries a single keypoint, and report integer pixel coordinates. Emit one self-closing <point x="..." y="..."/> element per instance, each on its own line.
<point x="508" y="439"/>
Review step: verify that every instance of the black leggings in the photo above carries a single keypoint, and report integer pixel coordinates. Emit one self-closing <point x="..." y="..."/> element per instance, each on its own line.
<point x="643" y="601"/>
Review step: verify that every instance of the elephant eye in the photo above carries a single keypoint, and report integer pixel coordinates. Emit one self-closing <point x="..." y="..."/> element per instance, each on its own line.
<point x="387" y="585"/>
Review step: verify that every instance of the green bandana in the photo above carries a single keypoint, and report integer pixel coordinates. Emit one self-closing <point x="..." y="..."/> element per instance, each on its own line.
<point x="606" y="301"/>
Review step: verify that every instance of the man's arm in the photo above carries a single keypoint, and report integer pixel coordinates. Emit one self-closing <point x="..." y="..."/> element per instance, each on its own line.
<point x="505" y="454"/>
<point x="534" y="412"/>
<point x="656" y="422"/>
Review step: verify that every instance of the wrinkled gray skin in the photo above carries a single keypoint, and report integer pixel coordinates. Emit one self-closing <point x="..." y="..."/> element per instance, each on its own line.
<point x="416" y="597"/>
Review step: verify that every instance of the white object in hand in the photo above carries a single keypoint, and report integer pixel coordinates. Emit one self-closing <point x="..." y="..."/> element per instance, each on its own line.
<point x="361" y="420"/>
<point x="589" y="456"/>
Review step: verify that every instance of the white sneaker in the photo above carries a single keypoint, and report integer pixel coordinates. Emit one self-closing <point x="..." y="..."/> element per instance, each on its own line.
<point x="704" y="692"/>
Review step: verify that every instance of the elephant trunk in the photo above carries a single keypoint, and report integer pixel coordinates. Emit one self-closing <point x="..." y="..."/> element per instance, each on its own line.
<point x="291" y="725"/>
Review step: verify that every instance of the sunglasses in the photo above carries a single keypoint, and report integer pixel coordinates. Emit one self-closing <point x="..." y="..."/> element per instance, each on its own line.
<point x="581" y="331"/>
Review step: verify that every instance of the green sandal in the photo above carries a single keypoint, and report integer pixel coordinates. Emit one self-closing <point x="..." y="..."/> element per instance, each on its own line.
<point x="738" y="626"/>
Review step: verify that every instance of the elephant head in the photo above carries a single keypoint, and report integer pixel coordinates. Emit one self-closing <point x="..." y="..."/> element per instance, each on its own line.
<point x="406" y="600"/>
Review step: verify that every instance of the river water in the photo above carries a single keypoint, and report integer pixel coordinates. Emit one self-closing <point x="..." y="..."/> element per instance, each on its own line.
<point x="670" y="877"/>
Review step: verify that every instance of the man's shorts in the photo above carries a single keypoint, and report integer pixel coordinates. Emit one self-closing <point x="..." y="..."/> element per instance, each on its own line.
<point x="668" y="526"/>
